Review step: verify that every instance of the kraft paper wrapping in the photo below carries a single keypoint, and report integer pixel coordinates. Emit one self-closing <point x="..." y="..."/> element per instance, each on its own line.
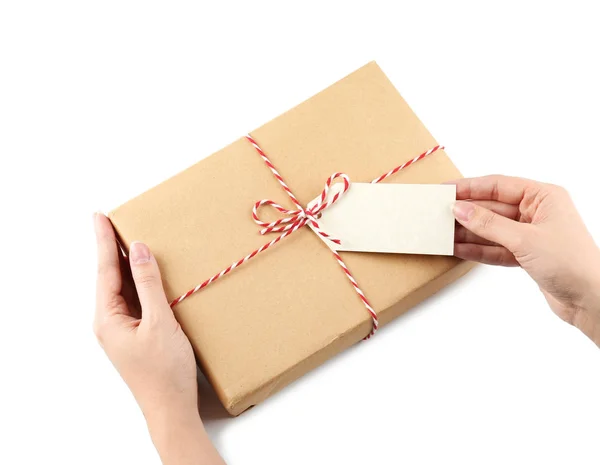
<point x="291" y="308"/>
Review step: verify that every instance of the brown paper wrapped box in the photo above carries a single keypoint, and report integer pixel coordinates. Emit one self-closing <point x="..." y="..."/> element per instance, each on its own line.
<point x="291" y="308"/>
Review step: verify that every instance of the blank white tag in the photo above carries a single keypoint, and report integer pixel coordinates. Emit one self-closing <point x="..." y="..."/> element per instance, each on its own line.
<point x="392" y="218"/>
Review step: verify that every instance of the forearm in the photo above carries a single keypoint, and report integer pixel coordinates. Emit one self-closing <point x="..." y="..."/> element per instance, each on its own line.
<point x="181" y="439"/>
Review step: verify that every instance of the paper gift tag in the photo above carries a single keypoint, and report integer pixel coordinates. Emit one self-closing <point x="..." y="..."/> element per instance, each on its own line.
<point x="392" y="218"/>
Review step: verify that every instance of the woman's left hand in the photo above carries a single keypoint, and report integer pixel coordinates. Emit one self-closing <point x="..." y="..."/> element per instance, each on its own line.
<point x="138" y="330"/>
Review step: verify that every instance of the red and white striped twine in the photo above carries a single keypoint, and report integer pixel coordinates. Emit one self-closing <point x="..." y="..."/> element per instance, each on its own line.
<point x="407" y="164"/>
<point x="296" y="219"/>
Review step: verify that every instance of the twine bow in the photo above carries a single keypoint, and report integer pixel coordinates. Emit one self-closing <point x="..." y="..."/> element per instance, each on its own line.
<point x="295" y="219"/>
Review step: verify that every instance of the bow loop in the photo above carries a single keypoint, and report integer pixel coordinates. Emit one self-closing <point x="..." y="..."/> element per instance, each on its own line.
<point x="323" y="202"/>
<point x="290" y="217"/>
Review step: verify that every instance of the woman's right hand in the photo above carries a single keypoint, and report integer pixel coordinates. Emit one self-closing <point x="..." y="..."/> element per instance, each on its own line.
<point x="518" y="222"/>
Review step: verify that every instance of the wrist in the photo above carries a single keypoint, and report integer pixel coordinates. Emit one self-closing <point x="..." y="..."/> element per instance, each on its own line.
<point x="167" y="418"/>
<point x="588" y="317"/>
<point x="180" y="439"/>
<point x="177" y="434"/>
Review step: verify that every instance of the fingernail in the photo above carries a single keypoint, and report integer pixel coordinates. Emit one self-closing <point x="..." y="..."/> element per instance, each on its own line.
<point x="139" y="253"/>
<point x="463" y="211"/>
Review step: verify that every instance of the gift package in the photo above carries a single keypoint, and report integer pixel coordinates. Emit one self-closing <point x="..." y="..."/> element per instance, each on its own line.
<point x="281" y="303"/>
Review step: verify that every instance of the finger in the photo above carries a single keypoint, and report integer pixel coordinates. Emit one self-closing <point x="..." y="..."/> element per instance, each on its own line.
<point x="128" y="290"/>
<point x="505" y="209"/>
<point x="108" y="283"/>
<point x="489" y="225"/>
<point x="501" y="188"/>
<point x="148" y="284"/>
<point x="463" y="236"/>
<point x="488" y="254"/>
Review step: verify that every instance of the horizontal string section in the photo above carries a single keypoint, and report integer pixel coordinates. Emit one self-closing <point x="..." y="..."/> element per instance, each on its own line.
<point x="407" y="164"/>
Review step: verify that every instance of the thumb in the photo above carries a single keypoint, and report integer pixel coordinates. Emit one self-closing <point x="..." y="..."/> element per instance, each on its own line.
<point x="148" y="284"/>
<point x="489" y="225"/>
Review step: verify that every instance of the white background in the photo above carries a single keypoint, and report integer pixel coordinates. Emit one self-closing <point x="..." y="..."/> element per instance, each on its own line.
<point x="102" y="100"/>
